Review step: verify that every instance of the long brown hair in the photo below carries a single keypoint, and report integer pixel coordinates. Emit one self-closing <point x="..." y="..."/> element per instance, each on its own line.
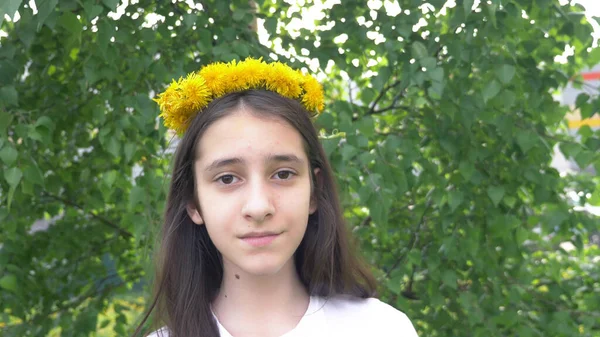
<point x="189" y="267"/>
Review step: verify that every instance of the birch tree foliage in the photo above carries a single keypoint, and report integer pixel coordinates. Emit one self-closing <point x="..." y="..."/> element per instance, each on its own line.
<point x="445" y="125"/>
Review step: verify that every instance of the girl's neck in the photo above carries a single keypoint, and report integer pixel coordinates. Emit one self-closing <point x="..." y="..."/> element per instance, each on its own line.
<point x="268" y="305"/>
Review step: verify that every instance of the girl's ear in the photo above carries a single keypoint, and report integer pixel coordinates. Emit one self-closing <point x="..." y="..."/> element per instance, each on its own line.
<point x="194" y="214"/>
<point x="313" y="198"/>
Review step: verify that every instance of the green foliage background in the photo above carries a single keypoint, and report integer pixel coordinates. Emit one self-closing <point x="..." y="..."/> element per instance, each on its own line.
<point x="443" y="164"/>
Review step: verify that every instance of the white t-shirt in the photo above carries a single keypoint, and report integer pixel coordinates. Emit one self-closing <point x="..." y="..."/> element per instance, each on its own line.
<point x="343" y="316"/>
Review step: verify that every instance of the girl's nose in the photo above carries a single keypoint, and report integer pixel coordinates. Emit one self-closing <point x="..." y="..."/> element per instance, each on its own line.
<point x="259" y="204"/>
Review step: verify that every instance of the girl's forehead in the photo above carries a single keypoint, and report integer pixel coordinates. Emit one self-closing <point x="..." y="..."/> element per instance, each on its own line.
<point x="245" y="135"/>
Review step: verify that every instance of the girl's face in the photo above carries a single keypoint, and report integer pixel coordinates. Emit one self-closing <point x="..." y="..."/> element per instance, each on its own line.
<point x="253" y="176"/>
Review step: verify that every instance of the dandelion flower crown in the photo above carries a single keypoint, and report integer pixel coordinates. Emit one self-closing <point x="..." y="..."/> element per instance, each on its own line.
<point x="185" y="98"/>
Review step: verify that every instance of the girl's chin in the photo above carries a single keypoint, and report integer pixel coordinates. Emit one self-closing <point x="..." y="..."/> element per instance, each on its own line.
<point x="263" y="267"/>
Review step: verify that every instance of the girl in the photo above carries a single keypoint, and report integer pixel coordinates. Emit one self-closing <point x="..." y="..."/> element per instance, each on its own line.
<point x="254" y="243"/>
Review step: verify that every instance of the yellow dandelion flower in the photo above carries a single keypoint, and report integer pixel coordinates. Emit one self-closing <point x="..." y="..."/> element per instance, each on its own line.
<point x="185" y="98"/>
<point x="253" y="72"/>
<point x="182" y="100"/>
<point x="283" y="80"/>
<point x="235" y="80"/>
<point x="195" y="92"/>
<point x="214" y="75"/>
<point x="313" y="98"/>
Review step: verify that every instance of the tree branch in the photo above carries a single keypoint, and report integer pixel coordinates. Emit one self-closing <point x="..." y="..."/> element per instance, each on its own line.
<point x="100" y="218"/>
<point x="381" y="94"/>
<point x="77" y="301"/>
<point x="409" y="292"/>
<point x="390" y="107"/>
<point x="413" y="241"/>
<point x="365" y="222"/>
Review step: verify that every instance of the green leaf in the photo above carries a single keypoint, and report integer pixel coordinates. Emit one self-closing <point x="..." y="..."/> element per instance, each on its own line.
<point x="496" y="193"/>
<point x="104" y="324"/>
<point x="581" y="99"/>
<point x="585" y="132"/>
<point x="5" y="120"/>
<point x="587" y="110"/>
<point x="13" y="176"/>
<point x="570" y="150"/>
<point x="428" y="62"/>
<point x="455" y="198"/>
<point x="595" y="109"/>
<point x="9" y="96"/>
<point x="33" y="174"/>
<point x="109" y="178"/>
<point x="419" y="50"/>
<point x="466" y="170"/>
<point x="271" y="25"/>
<point x="526" y="140"/>
<point x="367" y="95"/>
<point x="594" y="56"/>
<point x="450" y="278"/>
<point x="584" y="159"/>
<point x="35" y="134"/>
<point x="508" y="98"/>
<point x="86" y="321"/>
<point x="44" y="7"/>
<point x="381" y="79"/>
<point x="111" y="4"/>
<point x="8" y="154"/>
<point x="137" y="196"/>
<point x="436" y="74"/>
<point x="509" y="201"/>
<point x="3" y="215"/>
<point x="505" y="73"/>
<point x="9" y="282"/>
<point x="8" y="69"/>
<point x="90" y="73"/>
<point x="366" y="126"/>
<point x="238" y="14"/>
<point x="70" y="23"/>
<point x="491" y="90"/>
<point x="26" y="31"/>
<point x="330" y="145"/>
<point x="204" y="43"/>
<point x="92" y="10"/>
<point x="436" y="90"/>
<point x="491" y="9"/>
<point x="348" y="152"/>
<point x="113" y="147"/>
<point x="105" y="31"/>
<point x="555" y="218"/>
<point x="129" y="150"/>
<point x="189" y="20"/>
<point x="241" y="49"/>
<point x="468" y="5"/>
<point x="46" y="122"/>
<point x="378" y="211"/>
<point x="9" y="8"/>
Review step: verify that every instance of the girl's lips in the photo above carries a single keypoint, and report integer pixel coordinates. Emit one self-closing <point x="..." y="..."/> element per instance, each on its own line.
<point x="259" y="241"/>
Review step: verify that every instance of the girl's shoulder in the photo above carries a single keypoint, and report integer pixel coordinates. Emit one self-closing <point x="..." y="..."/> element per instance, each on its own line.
<point x="345" y="315"/>
<point x="351" y="313"/>
<point x="162" y="332"/>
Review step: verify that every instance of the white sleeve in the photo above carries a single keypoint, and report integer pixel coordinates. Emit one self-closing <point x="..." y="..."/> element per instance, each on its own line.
<point x="162" y="332"/>
<point x="393" y="322"/>
<point x="405" y="326"/>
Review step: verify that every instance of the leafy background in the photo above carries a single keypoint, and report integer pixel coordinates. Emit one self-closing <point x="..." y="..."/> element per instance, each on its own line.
<point x="443" y="125"/>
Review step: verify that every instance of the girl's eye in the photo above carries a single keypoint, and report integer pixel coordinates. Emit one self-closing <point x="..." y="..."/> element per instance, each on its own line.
<point x="284" y="175"/>
<point x="226" y="179"/>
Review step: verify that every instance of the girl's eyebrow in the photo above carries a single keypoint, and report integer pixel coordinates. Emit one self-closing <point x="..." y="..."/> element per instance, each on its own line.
<point x="277" y="158"/>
